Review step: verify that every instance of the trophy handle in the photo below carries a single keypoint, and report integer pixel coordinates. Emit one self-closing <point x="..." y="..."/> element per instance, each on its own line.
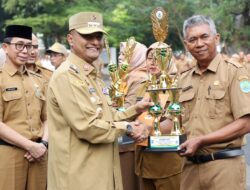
<point x="176" y="129"/>
<point x="156" y="124"/>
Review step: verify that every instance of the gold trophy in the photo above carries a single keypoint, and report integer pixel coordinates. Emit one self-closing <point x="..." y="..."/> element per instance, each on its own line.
<point x="163" y="55"/>
<point x="118" y="87"/>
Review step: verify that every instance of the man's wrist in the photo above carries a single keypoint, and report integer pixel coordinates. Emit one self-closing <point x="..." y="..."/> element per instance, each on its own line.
<point x="129" y="129"/>
<point x="45" y="143"/>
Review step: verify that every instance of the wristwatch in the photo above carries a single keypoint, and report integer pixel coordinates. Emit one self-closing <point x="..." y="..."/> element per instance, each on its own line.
<point x="129" y="129"/>
<point x="45" y="143"/>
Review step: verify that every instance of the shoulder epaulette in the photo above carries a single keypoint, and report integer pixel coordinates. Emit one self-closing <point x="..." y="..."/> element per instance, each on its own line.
<point x="74" y="68"/>
<point x="34" y="73"/>
<point x="233" y="62"/>
<point x="45" y="68"/>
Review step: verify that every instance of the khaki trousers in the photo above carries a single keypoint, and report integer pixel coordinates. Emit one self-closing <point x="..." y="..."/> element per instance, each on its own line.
<point x="129" y="179"/>
<point x="16" y="173"/>
<point x="169" y="183"/>
<point x="225" y="174"/>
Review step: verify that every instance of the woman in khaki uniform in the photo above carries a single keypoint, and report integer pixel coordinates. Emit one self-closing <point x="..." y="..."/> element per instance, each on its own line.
<point x="159" y="171"/>
<point x="136" y="74"/>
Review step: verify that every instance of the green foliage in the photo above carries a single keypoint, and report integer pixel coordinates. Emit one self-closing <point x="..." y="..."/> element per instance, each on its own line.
<point x="130" y="18"/>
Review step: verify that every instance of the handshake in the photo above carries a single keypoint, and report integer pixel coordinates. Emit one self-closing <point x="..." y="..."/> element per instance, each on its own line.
<point x="138" y="131"/>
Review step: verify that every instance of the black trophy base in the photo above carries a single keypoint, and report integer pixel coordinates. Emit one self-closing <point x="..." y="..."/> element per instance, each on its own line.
<point x="165" y="143"/>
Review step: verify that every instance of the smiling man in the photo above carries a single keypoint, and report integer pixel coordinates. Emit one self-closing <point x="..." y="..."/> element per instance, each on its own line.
<point x="216" y="97"/>
<point x="23" y="129"/>
<point x="83" y="151"/>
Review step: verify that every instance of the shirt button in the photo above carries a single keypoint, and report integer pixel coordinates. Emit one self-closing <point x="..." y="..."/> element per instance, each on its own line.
<point x="27" y="91"/>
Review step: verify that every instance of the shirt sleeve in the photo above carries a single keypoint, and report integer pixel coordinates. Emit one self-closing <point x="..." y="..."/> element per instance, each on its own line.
<point x="70" y="97"/>
<point x="239" y="93"/>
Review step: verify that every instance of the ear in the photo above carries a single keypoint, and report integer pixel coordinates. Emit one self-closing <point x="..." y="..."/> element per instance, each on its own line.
<point x="217" y="38"/>
<point x="70" y="39"/>
<point x="5" y="46"/>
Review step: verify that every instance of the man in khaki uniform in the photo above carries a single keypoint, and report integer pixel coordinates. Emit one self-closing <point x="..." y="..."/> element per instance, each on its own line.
<point x="58" y="54"/>
<point x="33" y="63"/>
<point x="159" y="171"/>
<point x="23" y="130"/>
<point x="83" y="151"/>
<point x="216" y="97"/>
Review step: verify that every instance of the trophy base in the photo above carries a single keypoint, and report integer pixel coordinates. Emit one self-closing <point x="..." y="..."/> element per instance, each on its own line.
<point x="165" y="143"/>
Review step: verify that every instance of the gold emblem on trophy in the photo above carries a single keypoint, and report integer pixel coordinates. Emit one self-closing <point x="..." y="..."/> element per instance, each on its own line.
<point x="118" y="87"/>
<point x="166" y="85"/>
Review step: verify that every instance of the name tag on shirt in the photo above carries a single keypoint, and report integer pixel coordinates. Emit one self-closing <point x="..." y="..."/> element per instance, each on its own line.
<point x="11" y="89"/>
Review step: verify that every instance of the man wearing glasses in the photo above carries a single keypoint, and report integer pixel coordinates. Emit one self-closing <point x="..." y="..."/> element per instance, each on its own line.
<point x="58" y="54"/>
<point x="83" y="126"/>
<point x="23" y="129"/>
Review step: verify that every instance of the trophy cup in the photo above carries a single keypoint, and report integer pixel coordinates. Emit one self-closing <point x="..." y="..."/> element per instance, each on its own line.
<point x="118" y="87"/>
<point x="157" y="141"/>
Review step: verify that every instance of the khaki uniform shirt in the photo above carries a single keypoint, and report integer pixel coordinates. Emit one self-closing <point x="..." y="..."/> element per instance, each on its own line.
<point x="214" y="99"/>
<point x="46" y="73"/>
<point x="83" y="151"/>
<point x="247" y="65"/>
<point x="156" y="165"/>
<point x="22" y="103"/>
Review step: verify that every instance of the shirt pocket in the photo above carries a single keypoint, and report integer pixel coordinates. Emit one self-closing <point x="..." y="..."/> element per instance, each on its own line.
<point x="11" y="96"/>
<point x="215" y="97"/>
<point x="186" y="101"/>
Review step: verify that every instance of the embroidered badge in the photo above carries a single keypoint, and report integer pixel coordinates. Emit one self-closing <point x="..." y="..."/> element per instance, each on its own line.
<point x="78" y="83"/>
<point x="86" y="67"/>
<point x="105" y="91"/>
<point x="245" y="86"/>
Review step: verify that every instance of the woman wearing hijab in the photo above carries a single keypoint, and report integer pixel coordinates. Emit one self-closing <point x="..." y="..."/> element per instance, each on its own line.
<point x="137" y="73"/>
<point x="162" y="170"/>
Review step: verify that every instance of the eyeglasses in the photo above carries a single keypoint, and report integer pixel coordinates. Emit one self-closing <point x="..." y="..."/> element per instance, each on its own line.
<point x="21" y="46"/>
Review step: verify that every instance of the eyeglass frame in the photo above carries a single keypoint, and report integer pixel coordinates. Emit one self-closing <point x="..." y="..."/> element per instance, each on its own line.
<point x="31" y="47"/>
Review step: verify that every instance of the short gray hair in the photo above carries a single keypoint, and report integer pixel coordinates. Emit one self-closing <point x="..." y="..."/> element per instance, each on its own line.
<point x="198" y="20"/>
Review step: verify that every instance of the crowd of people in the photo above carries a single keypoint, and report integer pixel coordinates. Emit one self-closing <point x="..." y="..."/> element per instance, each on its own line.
<point x="59" y="130"/>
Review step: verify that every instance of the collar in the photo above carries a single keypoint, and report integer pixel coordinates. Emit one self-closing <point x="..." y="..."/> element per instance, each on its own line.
<point x="88" y="69"/>
<point x="12" y="70"/>
<point x="213" y="66"/>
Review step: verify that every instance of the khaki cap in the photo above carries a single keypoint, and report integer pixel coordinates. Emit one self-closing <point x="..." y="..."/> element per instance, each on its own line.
<point x="58" y="48"/>
<point x="86" y="23"/>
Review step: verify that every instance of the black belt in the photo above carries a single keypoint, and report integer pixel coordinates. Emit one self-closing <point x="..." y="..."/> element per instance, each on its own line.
<point x="229" y="153"/>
